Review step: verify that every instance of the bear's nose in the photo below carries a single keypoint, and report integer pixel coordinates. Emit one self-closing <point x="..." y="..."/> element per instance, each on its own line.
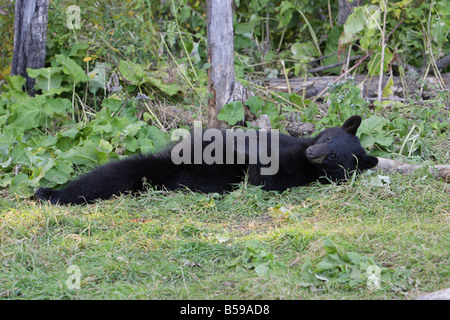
<point x="309" y="153"/>
<point x="315" y="155"/>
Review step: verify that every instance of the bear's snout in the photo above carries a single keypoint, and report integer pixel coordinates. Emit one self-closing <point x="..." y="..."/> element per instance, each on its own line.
<point x="316" y="154"/>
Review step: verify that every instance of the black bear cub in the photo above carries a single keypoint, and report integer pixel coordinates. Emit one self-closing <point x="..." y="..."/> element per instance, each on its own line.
<point x="330" y="156"/>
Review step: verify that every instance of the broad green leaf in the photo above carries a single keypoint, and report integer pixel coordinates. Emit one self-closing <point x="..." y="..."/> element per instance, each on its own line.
<point x="46" y="78"/>
<point x="28" y="114"/>
<point x="59" y="173"/>
<point x="131" y="143"/>
<point x="104" y="146"/>
<point x="112" y="104"/>
<point x="56" y="106"/>
<point x="102" y="128"/>
<point x="304" y="50"/>
<point x="75" y="49"/>
<point x="369" y="39"/>
<point x="354" y="24"/>
<point x="332" y="45"/>
<point x="373" y="14"/>
<point x="56" y="91"/>
<point x="444" y="8"/>
<point x="247" y="27"/>
<point x="296" y="99"/>
<point x="331" y="261"/>
<point x="71" y="68"/>
<point x="133" y="128"/>
<point x="372" y="132"/>
<point x="5" y="180"/>
<point x="373" y="124"/>
<point x="262" y="270"/>
<point x="15" y="83"/>
<point x="20" y="179"/>
<point x="159" y="139"/>
<point x="134" y="73"/>
<point x="11" y="134"/>
<point x="253" y="244"/>
<point x="146" y="145"/>
<point x="170" y="88"/>
<point x="71" y="133"/>
<point x="352" y="258"/>
<point x="44" y="141"/>
<point x="255" y="103"/>
<point x="270" y="109"/>
<point x="98" y="81"/>
<point x="307" y="271"/>
<point x="286" y="10"/>
<point x="232" y="112"/>
<point x="84" y="154"/>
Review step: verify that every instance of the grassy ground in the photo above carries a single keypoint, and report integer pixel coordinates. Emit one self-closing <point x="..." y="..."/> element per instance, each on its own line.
<point x="249" y="244"/>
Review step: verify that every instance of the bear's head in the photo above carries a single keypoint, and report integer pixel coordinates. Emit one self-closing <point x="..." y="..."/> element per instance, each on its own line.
<point x="339" y="152"/>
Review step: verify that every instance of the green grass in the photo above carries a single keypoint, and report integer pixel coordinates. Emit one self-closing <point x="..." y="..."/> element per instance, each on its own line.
<point x="183" y="245"/>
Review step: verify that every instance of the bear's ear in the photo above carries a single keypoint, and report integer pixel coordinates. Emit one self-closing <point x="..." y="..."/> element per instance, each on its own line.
<point x="366" y="162"/>
<point x="352" y="124"/>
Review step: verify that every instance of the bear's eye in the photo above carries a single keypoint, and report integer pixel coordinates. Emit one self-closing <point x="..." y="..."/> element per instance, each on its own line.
<point x="327" y="139"/>
<point x="333" y="156"/>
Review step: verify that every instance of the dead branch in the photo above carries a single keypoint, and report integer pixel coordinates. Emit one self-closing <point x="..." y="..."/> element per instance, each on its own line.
<point x="387" y="165"/>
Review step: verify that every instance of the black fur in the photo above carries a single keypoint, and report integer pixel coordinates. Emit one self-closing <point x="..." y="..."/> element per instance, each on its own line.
<point x="330" y="156"/>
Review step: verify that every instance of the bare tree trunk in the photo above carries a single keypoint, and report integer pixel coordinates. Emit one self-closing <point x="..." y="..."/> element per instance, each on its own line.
<point x="222" y="86"/>
<point x="220" y="56"/>
<point x="346" y="8"/>
<point x="30" y="38"/>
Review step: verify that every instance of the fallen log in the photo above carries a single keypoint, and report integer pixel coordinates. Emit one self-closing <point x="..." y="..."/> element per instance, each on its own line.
<point x="388" y="165"/>
<point x="443" y="294"/>
<point x="369" y="85"/>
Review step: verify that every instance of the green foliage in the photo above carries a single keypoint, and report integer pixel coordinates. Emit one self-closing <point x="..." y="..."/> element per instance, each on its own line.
<point x="344" y="101"/>
<point x="374" y="132"/>
<point x="385" y="133"/>
<point x="7" y="36"/>
<point x="351" y="270"/>
<point x="415" y="29"/>
<point x="257" y="257"/>
<point x="40" y="144"/>
<point x="232" y="112"/>
<point x="137" y="75"/>
<point x="259" y="106"/>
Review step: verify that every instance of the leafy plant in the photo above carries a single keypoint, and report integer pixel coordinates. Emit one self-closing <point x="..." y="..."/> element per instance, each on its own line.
<point x="351" y="270"/>
<point x="232" y="112"/>
<point x="30" y="158"/>
<point x="344" y="101"/>
<point x="256" y="257"/>
<point x="374" y="132"/>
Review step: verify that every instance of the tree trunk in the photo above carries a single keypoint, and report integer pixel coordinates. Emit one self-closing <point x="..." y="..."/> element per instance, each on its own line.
<point x="30" y="38"/>
<point x="222" y="86"/>
<point x="346" y="9"/>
